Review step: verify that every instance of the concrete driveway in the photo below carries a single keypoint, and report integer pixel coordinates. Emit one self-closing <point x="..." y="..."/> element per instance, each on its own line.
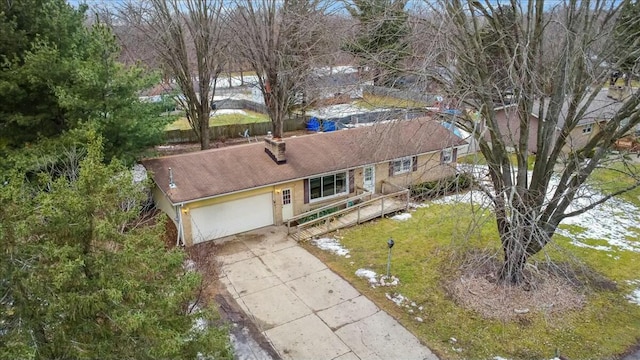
<point x="303" y="308"/>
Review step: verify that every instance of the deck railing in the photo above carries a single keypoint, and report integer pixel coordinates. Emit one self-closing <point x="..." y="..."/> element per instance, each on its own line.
<point x="323" y="224"/>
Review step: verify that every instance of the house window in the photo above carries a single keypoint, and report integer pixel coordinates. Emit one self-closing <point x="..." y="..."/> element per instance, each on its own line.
<point x="328" y="186"/>
<point x="447" y="156"/>
<point x="587" y="129"/>
<point x="403" y="165"/>
<point x="286" y="196"/>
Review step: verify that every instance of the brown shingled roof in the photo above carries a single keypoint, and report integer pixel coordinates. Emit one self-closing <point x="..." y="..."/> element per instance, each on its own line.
<point x="215" y="172"/>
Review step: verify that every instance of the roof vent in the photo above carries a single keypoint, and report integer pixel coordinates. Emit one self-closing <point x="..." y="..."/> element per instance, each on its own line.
<point x="172" y="185"/>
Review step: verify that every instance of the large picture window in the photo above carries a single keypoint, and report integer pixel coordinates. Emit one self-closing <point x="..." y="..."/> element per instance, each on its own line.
<point x="328" y="186"/>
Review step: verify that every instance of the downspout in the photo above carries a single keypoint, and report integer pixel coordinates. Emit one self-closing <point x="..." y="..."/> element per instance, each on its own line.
<point x="180" y="237"/>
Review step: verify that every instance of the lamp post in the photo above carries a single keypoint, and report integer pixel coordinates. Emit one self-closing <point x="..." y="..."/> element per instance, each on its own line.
<point x="390" y="244"/>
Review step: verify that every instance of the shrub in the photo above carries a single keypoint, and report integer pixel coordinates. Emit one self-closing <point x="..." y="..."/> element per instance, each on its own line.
<point x="433" y="189"/>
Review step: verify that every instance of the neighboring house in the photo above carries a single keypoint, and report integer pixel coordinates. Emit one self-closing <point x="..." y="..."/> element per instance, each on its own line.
<point x="509" y="125"/>
<point x="157" y="92"/>
<point x="220" y="192"/>
<point x="598" y="113"/>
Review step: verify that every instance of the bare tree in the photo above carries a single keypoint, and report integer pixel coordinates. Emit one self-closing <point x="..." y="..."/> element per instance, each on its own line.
<point x="279" y="39"/>
<point x="187" y="37"/>
<point x="549" y="62"/>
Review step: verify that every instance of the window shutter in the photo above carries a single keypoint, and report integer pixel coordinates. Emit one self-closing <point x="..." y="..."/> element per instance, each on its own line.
<point x="441" y="157"/>
<point x="390" y="168"/>
<point x="306" y="191"/>
<point x="454" y="156"/>
<point x="352" y="181"/>
<point x="414" y="163"/>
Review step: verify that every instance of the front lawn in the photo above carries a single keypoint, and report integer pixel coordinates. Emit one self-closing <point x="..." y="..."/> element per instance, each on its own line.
<point x="223" y="117"/>
<point x="428" y="255"/>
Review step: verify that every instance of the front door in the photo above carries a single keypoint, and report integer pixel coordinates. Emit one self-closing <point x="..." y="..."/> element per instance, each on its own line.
<point x="369" y="179"/>
<point x="287" y="206"/>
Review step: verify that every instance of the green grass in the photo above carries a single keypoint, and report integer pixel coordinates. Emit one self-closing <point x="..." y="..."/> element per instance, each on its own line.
<point x="371" y="102"/>
<point x="223" y="119"/>
<point x="614" y="178"/>
<point x="620" y="82"/>
<point x="479" y="159"/>
<point x="425" y="258"/>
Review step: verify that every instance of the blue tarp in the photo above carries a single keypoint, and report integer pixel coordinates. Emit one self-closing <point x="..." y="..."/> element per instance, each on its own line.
<point x="452" y="128"/>
<point x="328" y="125"/>
<point x="313" y="124"/>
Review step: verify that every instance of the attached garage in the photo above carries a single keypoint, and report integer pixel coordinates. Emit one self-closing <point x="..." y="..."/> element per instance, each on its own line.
<point x="231" y="217"/>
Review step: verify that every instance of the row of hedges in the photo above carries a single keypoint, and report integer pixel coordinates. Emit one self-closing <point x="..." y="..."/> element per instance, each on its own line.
<point x="432" y="189"/>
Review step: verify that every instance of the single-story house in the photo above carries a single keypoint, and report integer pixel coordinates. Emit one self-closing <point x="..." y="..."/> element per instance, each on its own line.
<point x="598" y="113"/>
<point x="220" y="192"/>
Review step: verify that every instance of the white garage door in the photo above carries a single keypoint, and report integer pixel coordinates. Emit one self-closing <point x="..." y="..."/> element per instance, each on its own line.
<point x="232" y="217"/>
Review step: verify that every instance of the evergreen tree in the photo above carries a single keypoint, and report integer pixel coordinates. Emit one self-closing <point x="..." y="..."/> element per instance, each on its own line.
<point x="56" y="75"/>
<point x="80" y="278"/>
<point x="382" y="41"/>
<point x="627" y="36"/>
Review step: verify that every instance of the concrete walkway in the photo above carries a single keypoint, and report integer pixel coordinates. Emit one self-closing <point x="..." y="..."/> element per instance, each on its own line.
<point x="303" y="308"/>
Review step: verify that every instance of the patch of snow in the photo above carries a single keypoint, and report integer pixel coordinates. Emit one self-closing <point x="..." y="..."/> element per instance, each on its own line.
<point x="139" y="173"/>
<point x="391" y="281"/>
<point x="189" y="265"/>
<point x="634" y="297"/>
<point x="370" y="275"/>
<point x="344" y="69"/>
<point x="419" y="319"/>
<point x="499" y="358"/>
<point x="228" y="111"/>
<point x="200" y="324"/>
<point x="340" y="110"/>
<point x="331" y="245"/>
<point x="612" y="221"/>
<point x="401" y="217"/>
<point x="397" y="298"/>
<point x="418" y="205"/>
<point x="223" y="81"/>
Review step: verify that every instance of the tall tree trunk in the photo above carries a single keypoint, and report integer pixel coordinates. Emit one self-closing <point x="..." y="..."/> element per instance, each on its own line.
<point x="204" y="130"/>
<point x="278" y="128"/>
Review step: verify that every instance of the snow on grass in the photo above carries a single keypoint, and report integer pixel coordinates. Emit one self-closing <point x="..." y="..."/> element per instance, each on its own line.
<point x="634" y="297"/>
<point x="331" y="245"/>
<point x="229" y="111"/>
<point x="341" y="110"/>
<point x="372" y="278"/>
<point x="397" y="298"/>
<point x="369" y="275"/>
<point x="401" y="217"/>
<point x="612" y="221"/>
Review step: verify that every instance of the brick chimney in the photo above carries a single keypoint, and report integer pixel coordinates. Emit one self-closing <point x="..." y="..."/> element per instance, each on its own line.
<point x="275" y="149"/>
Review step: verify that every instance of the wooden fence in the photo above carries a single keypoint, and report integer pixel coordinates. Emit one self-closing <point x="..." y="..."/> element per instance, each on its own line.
<point x="223" y="132"/>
